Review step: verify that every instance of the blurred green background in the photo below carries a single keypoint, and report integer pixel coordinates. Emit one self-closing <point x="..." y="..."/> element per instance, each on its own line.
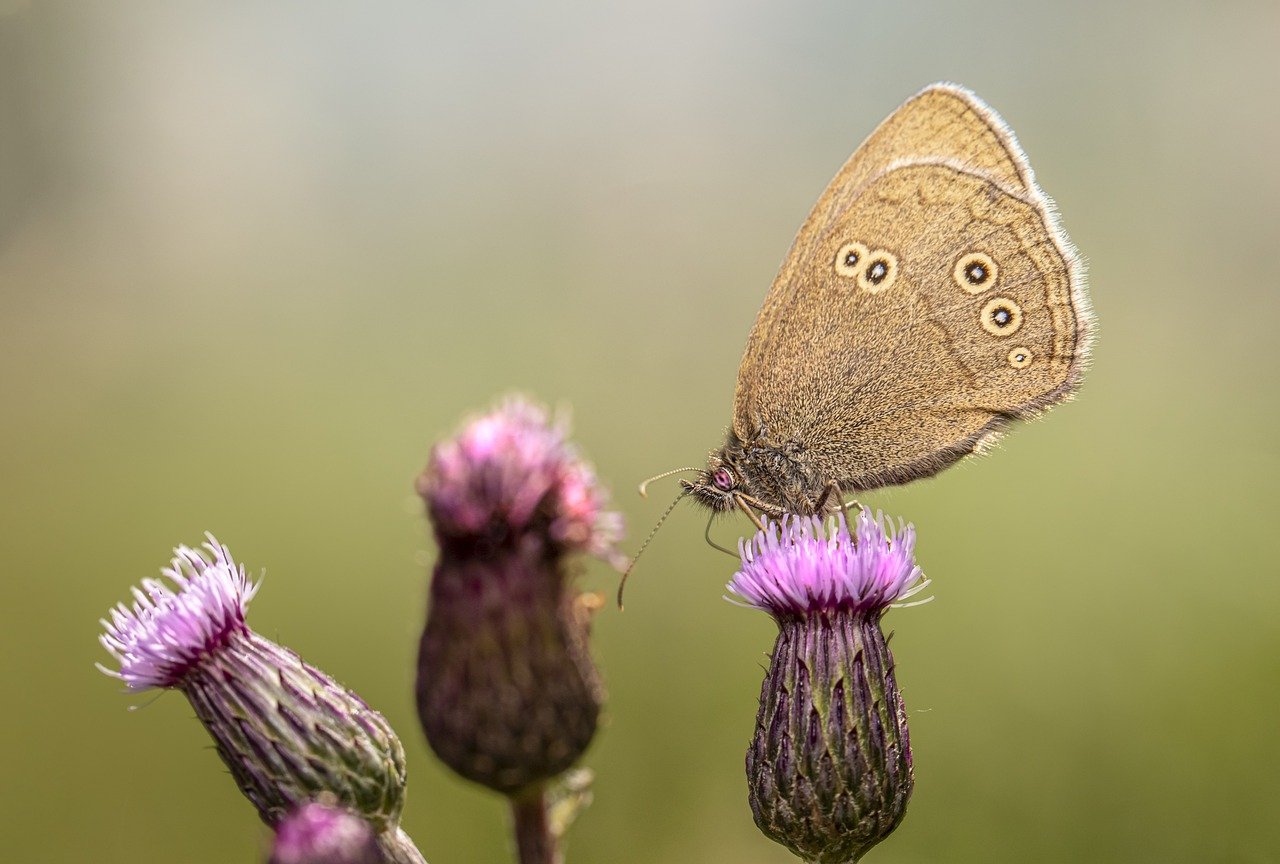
<point x="255" y="258"/>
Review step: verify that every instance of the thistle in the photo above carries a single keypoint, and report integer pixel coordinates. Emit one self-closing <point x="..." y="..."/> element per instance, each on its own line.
<point x="287" y="731"/>
<point x="321" y="833"/>
<point x="829" y="768"/>
<point x="507" y="691"/>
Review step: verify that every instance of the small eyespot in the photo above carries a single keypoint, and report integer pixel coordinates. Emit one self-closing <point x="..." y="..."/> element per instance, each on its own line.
<point x="850" y="258"/>
<point x="975" y="272"/>
<point x="1020" y="358"/>
<point x="722" y="479"/>
<point x="1001" y="317"/>
<point x="881" y="270"/>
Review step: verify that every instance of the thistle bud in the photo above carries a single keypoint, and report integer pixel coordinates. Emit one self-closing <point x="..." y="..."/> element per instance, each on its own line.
<point x="829" y="769"/>
<point x="287" y="731"/>
<point x="507" y="692"/>
<point x="319" y="833"/>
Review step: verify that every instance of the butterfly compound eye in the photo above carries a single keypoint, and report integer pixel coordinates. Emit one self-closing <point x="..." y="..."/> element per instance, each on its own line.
<point x="722" y="479"/>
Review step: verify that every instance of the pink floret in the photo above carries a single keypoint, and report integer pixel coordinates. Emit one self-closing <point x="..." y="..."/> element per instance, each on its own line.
<point x="514" y="469"/>
<point x="172" y="626"/>
<point x="802" y="565"/>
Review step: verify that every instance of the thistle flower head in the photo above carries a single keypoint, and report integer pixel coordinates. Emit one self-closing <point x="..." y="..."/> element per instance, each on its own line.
<point x="802" y="565"/>
<point x="323" y="833"/>
<point x="287" y="732"/>
<point x="511" y="471"/>
<point x="507" y="692"/>
<point x="829" y="769"/>
<point x="171" y="627"/>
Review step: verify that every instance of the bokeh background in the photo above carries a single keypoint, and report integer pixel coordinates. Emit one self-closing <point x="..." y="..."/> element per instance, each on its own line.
<point x="255" y="258"/>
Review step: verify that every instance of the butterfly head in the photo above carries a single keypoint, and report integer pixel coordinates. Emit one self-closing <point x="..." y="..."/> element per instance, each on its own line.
<point x="717" y="487"/>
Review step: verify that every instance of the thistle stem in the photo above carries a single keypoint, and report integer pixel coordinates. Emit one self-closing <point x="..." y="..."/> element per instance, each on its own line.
<point x="536" y="842"/>
<point x="399" y="849"/>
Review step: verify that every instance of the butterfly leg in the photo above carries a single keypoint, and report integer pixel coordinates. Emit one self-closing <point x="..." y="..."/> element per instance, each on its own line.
<point x="746" y="508"/>
<point x="832" y="492"/>
<point x="706" y="535"/>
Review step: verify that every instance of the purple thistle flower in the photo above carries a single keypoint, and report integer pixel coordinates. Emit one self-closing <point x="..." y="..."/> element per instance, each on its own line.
<point x="287" y="731"/>
<point x="801" y="565"/>
<point x="167" y="632"/>
<point x="318" y="833"/>
<point x="829" y="770"/>
<point x="511" y="472"/>
<point x="507" y="692"/>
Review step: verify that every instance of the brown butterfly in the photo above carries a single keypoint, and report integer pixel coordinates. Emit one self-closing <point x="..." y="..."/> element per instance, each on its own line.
<point x="929" y="299"/>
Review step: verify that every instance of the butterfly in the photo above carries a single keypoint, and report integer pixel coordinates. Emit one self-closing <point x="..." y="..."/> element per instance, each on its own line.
<point x="929" y="299"/>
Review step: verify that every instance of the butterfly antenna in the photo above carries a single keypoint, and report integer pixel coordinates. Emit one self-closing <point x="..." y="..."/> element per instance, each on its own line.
<point x="645" y="545"/>
<point x="644" y="487"/>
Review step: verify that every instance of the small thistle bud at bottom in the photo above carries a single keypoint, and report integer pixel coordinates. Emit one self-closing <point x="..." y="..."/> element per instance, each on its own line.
<point x="318" y="833"/>
<point x="829" y="769"/>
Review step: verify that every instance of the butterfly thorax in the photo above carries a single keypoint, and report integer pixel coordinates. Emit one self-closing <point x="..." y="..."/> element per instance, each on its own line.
<point x="767" y="477"/>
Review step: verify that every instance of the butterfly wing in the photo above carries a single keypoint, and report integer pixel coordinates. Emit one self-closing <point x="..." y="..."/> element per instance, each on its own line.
<point x="928" y="299"/>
